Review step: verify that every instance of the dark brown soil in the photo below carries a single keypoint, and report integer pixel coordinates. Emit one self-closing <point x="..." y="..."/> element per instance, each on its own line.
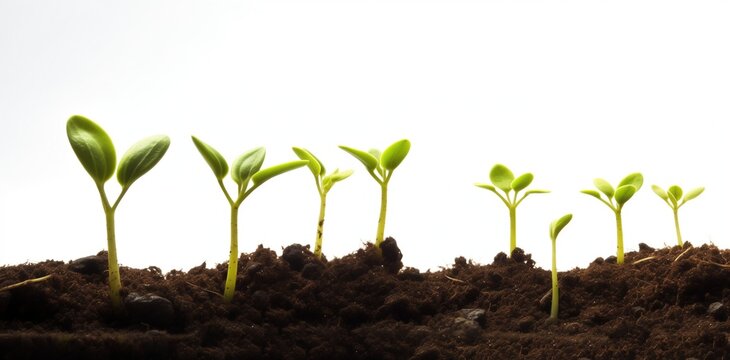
<point x="659" y="305"/>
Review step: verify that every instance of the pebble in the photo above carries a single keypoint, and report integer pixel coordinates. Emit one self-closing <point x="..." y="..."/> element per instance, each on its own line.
<point x="718" y="310"/>
<point x="467" y="331"/>
<point x="89" y="265"/>
<point x="477" y="315"/>
<point x="150" y="309"/>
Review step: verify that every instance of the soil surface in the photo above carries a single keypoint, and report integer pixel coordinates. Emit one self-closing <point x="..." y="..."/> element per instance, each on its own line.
<point x="669" y="303"/>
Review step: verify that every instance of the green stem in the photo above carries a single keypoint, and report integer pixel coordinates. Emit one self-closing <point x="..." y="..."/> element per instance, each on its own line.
<point x="381" y="220"/>
<point x="320" y="227"/>
<point x="676" y="227"/>
<point x="619" y="238"/>
<point x="554" y="307"/>
<point x="115" y="283"/>
<point x="232" y="257"/>
<point x="512" y="229"/>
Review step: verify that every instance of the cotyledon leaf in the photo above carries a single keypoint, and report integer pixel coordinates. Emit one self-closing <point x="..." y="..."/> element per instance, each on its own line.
<point x="93" y="147"/>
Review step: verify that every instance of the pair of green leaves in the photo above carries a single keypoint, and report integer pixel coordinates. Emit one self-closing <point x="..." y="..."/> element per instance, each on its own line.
<point x="95" y="150"/>
<point x="502" y="178"/>
<point x="674" y="195"/>
<point x="623" y="192"/>
<point x="558" y="225"/>
<point x="245" y="168"/>
<point x="324" y="181"/>
<point x="383" y="163"/>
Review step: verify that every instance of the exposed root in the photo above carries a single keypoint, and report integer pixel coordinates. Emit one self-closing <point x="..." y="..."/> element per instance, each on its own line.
<point x="644" y="259"/>
<point x="726" y="266"/>
<point x="455" y="279"/>
<point x="683" y="252"/>
<point x="204" y="289"/>
<point x="26" y="282"/>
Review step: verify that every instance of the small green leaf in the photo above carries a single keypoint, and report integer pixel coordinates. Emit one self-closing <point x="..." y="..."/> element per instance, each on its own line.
<point x="673" y="200"/>
<point x="605" y="187"/>
<point x="485" y="186"/>
<point x="367" y="159"/>
<point x="394" y="154"/>
<point x="215" y="160"/>
<point x="660" y="192"/>
<point x="314" y="164"/>
<point x="676" y="192"/>
<point x="93" y="147"/>
<point x="537" y="191"/>
<point x="334" y="177"/>
<point x="624" y="193"/>
<point x="593" y="193"/>
<point x="635" y="179"/>
<point x="261" y="176"/>
<point x="693" y="193"/>
<point x="522" y="182"/>
<point x="141" y="158"/>
<point x="501" y="177"/>
<point x="558" y="225"/>
<point x="376" y="153"/>
<point x="247" y="164"/>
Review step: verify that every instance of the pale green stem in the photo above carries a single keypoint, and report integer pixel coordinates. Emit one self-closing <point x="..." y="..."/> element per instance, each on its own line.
<point x="232" y="257"/>
<point x="556" y="298"/>
<point x="381" y="219"/>
<point x="512" y="229"/>
<point x="320" y="227"/>
<point x="676" y="227"/>
<point x="115" y="283"/>
<point x="619" y="238"/>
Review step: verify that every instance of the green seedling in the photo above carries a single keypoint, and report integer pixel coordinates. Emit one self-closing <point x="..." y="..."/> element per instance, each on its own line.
<point x="503" y="179"/>
<point x="673" y="198"/>
<point x="555" y="228"/>
<point x="245" y="171"/>
<point x="381" y="166"/>
<point x="616" y="199"/>
<point x="95" y="151"/>
<point x="324" y="183"/>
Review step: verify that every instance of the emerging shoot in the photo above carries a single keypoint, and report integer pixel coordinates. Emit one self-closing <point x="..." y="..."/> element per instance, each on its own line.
<point x="673" y="198"/>
<point x="324" y="184"/>
<point x="555" y="228"/>
<point x="615" y="200"/>
<point x="245" y="171"/>
<point x="503" y="179"/>
<point x="95" y="151"/>
<point x="381" y="166"/>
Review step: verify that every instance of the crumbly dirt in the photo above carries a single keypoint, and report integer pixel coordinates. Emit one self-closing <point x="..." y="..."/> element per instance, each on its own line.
<point x="669" y="303"/>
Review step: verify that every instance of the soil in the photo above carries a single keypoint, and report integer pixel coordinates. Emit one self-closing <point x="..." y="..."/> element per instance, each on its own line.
<point x="668" y="303"/>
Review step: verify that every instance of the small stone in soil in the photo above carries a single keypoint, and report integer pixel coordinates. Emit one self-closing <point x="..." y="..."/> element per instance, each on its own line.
<point x="526" y="323"/>
<point x="611" y="259"/>
<point x="718" y="310"/>
<point x="89" y="265"/>
<point x="295" y="255"/>
<point x="150" y="309"/>
<point x="477" y="315"/>
<point x="466" y="330"/>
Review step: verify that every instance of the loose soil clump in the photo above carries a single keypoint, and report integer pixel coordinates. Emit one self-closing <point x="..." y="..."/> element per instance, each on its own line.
<point x="669" y="303"/>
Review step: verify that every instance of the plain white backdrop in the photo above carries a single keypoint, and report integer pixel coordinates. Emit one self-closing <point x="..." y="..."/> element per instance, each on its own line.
<point x="567" y="90"/>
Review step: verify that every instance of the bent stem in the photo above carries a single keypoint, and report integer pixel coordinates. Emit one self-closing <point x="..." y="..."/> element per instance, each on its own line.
<point x="619" y="238"/>
<point x="676" y="226"/>
<point x="320" y="227"/>
<point x="232" y="257"/>
<point x="555" y="300"/>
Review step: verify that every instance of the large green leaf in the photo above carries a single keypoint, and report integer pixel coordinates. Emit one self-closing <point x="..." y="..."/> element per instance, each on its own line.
<point x="635" y="179"/>
<point x="593" y="193"/>
<point x="501" y="177"/>
<point x="314" y="164"/>
<point x="262" y="176"/>
<point x="522" y="182"/>
<point x="394" y="154"/>
<point x="367" y="159"/>
<point x="141" y="158"/>
<point x="215" y="160"/>
<point x="247" y="164"/>
<point x="660" y="192"/>
<point x="558" y="225"/>
<point x="676" y="192"/>
<point x="624" y="193"/>
<point x="605" y="187"/>
<point x="693" y="193"/>
<point x="93" y="147"/>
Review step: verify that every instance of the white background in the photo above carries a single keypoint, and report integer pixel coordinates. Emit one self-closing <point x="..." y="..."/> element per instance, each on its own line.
<point x="567" y="90"/>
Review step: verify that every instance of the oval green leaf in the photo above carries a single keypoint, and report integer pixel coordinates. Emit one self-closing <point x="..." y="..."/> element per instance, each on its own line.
<point x="522" y="182"/>
<point x="624" y="193"/>
<point x="93" y="147"/>
<point x="367" y="159"/>
<point x="635" y="179"/>
<point x="314" y="164"/>
<point x="604" y="187"/>
<point x="247" y="164"/>
<point x="501" y="177"/>
<point x="660" y="192"/>
<point x="394" y="154"/>
<point x="558" y="225"/>
<point x="676" y="192"/>
<point x="215" y="160"/>
<point x="141" y="158"/>
<point x="693" y="193"/>
<point x="593" y="193"/>
<point x="262" y="176"/>
<point x="485" y="186"/>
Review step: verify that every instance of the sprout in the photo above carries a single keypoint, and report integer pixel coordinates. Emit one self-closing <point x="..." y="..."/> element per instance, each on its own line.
<point x="381" y="167"/>
<point x="503" y="179"/>
<point x="555" y="228"/>
<point x="95" y="151"/>
<point x="673" y="198"/>
<point x="616" y="200"/>
<point x="245" y="171"/>
<point x="324" y="184"/>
